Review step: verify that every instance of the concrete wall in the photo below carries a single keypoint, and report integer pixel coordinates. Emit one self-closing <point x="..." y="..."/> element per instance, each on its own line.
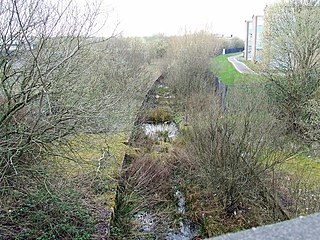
<point x="302" y="228"/>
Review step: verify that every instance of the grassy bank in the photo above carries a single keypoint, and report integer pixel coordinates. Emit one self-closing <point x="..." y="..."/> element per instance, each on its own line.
<point x="224" y="69"/>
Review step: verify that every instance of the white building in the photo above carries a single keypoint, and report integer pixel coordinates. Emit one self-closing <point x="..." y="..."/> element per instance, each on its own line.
<point x="253" y="40"/>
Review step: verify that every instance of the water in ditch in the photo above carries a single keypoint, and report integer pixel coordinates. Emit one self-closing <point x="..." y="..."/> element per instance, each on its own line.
<point x="185" y="231"/>
<point x="160" y="131"/>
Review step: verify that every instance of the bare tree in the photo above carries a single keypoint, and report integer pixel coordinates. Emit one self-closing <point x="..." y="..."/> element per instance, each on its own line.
<point x="292" y="50"/>
<point x="42" y="46"/>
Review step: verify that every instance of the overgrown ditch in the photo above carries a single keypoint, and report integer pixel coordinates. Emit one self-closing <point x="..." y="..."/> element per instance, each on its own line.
<point x="151" y="201"/>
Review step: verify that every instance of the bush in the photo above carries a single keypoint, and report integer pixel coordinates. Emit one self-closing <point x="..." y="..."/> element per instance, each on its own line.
<point x="292" y="51"/>
<point x="310" y="121"/>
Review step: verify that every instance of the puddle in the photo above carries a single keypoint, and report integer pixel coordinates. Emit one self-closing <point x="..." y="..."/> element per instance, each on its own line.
<point x="160" y="131"/>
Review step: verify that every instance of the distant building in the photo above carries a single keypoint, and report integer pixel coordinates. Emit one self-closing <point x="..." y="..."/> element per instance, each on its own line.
<point x="253" y="40"/>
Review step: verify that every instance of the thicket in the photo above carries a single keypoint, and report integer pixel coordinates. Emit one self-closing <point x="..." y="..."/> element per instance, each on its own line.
<point x="233" y="42"/>
<point x="60" y="86"/>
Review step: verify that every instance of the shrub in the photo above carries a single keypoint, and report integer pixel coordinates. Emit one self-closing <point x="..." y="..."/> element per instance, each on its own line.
<point x="292" y="49"/>
<point x="310" y="121"/>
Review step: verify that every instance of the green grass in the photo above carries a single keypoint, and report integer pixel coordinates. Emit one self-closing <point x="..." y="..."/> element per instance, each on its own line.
<point x="307" y="167"/>
<point x="228" y="74"/>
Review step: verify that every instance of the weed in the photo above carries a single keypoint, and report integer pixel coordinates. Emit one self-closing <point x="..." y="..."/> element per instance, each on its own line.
<point x="164" y="136"/>
<point x="163" y="89"/>
<point x="126" y="206"/>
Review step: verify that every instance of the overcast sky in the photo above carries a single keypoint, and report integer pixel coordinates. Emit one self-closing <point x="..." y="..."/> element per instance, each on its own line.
<point x="149" y="17"/>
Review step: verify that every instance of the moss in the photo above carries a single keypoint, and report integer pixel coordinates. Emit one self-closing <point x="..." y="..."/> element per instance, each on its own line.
<point x="109" y="199"/>
<point x="83" y="152"/>
<point x="83" y="156"/>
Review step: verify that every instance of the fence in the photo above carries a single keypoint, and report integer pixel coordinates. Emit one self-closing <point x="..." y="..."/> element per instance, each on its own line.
<point x="231" y="50"/>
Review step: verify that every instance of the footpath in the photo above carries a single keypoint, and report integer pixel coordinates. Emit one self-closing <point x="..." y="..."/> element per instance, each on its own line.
<point x="239" y="66"/>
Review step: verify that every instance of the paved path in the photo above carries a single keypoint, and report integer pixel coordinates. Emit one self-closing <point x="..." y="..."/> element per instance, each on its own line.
<point x="239" y="66"/>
